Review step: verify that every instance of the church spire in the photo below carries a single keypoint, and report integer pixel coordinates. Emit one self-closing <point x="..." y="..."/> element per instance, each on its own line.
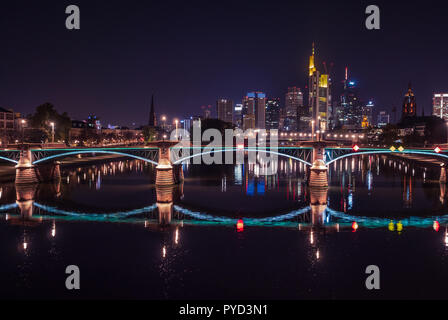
<point x="152" y="114"/>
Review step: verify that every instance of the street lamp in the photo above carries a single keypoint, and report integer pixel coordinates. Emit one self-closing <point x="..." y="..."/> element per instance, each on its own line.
<point x="312" y="130"/>
<point x="23" y="130"/>
<point x="176" y="122"/>
<point x="163" y="121"/>
<point x="52" y="131"/>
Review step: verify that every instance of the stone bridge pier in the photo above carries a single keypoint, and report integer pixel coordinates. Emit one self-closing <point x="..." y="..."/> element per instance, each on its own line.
<point x="319" y="171"/>
<point x="166" y="173"/>
<point x="27" y="173"/>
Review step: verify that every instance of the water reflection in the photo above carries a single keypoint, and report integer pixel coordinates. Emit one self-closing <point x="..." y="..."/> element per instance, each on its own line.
<point x="239" y="199"/>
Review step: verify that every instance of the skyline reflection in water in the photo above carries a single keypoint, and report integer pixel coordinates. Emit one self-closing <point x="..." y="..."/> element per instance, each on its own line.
<point x="234" y="207"/>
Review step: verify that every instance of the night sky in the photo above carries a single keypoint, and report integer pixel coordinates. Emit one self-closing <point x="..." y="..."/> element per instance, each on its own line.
<point x="191" y="53"/>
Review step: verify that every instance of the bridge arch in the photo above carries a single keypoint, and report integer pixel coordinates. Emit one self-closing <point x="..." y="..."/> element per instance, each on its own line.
<point x="9" y="160"/>
<point x="72" y="153"/>
<point x="371" y="152"/>
<point x="179" y="161"/>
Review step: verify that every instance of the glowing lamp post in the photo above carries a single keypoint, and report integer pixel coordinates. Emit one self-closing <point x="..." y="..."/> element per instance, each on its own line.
<point x="52" y="131"/>
<point x="23" y="130"/>
<point x="312" y="130"/>
<point x="176" y="122"/>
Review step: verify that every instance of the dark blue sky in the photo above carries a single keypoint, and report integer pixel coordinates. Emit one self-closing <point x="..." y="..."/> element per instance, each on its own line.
<point x="190" y="53"/>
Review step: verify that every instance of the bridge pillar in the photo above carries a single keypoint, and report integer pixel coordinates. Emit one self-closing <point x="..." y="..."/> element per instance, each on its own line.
<point x="49" y="171"/>
<point x="164" y="169"/>
<point x="25" y="171"/>
<point x="318" y="175"/>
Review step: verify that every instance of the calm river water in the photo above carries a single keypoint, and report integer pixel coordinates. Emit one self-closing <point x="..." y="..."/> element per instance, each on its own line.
<point x="227" y="232"/>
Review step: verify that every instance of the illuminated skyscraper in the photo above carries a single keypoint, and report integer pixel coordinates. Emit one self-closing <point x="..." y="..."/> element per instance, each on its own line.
<point x="272" y="114"/>
<point x="319" y="96"/>
<point x="409" y="104"/>
<point x="351" y="112"/>
<point x="294" y="109"/>
<point x="254" y="110"/>
<point x="440" y="105"/>
<point x="224" y="109"/>
<point x="238" y="116"/>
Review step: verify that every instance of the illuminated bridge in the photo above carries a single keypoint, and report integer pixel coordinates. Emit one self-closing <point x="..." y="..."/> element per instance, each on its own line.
<point x="37" y="165"/>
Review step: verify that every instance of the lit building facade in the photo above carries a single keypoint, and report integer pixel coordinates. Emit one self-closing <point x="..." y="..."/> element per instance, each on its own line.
<point x="319" y="96"/>
<point x="224" y="109"/>
<point x="7" y="119"/>
<point x="238" y="116"/>
<point x="254" y="110"/>
<point x="351" y="112"/>
<point x="440" y="105"/>
<point x="383" y="119"/>
<point x="409" y="104"/>
<point x="367" y="112"/>
<point x="294" y="109"/>
<point x="272" y="114"/>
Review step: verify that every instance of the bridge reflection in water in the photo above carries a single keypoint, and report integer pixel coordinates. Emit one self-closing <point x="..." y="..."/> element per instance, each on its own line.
<point x="167" y="214"/>
<point x="28" y="211"/>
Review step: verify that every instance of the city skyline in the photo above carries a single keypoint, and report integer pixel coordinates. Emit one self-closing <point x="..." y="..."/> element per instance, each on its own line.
<point x="95" y="75"/>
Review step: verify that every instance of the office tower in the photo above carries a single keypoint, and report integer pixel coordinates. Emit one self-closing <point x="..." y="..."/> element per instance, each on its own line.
<point x="272" y="114"/>
<point x="440" y="105"/>
<point x="409" y="104"/>
<point x="367" y="112"/>
<point x="238" y="116"/>
<point x="224" y="109"/>
<point x="254" y="110"/>
<point x="383" y="119"/>
<point x="152" y="114"/>
<point x="319" y="96"/>
<point x="294" y="109"/>
<point x="350" y="111"/>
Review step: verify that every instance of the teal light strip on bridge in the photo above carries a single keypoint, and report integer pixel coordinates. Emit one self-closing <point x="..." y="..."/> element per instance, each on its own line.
<point x="10" y="160"/>
<point x="220" y="150"/>
<point x="89" y="152"/>
<point x="408" y="151"/>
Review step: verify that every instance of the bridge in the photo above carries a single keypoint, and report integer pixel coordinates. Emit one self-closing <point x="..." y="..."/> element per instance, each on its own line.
<point x="36" y="164"/>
